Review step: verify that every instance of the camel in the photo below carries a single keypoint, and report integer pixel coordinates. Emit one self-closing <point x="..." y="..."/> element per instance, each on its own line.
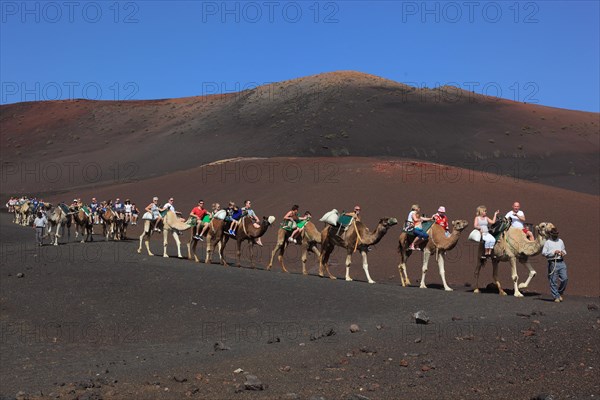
<point x="193" y="243"/>
<point x="214" y="237"/>
<point x="171" y="224"/>
<point x="357" y="237"/>
<point x="59" y="217"/>
<point x="511" y="246"/>
<point x="308" y="241"/>
<point x="246" y="231"/>
<point x="110" y="223"/>
<point x="23" y="213"/>
<point x="437" y="243"/>
<point x="85" y="223"/>
<point x="121" y="225"/>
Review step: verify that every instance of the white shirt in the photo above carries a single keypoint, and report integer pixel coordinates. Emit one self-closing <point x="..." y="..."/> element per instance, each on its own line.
<point x="410" y="216"/>
<point x="516" y="222"/>
<point x="551" y="246"/>
<point x="40" y="222"/>
<point x="169" y="206"/>
<point x="128" y="208"/>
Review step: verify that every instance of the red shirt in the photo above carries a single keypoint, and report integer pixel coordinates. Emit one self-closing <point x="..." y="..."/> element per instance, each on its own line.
<point x="199" y="212"/>
<point x="441" y="220"/>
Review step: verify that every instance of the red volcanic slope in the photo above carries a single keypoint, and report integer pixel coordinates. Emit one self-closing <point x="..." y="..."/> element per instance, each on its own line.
<point x="383" y="188"/>
<point x="56" y="145"/>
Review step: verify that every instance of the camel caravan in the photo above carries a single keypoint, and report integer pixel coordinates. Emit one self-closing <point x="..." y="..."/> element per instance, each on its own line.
<point x="500" y="239"/>
<point x="56" y="220"/>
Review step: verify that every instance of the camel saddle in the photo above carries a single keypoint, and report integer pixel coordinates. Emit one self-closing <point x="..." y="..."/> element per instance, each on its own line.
<point x="288" y="225"/>
<point x="425" y="226"/>
<point x="501" y="225"/>
<point x="64" y="207"/>
<point x="344" y="221"/>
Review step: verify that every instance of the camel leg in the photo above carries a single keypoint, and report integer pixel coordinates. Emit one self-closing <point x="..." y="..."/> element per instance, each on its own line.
<point x="252" y="254"/>
<point x="56" y="235"/>
<point x="403" y="274"/>
<point x="477" y="270"/>
<point x="515" y="277"/>
<point x="165" y="242"/>
<point x="402" y="266"/>
<point x="278" y="247"/>
<point x="280" y="258"/>
<point x="209" y="247"/>
<point x="223" y="243"/>
<point x="146" y="235"/>
<point x="305" y="258"/>
<point x="220" y="250"/>
<point x="348" y="262"/>
<point x="238" y="252"/>
<point x="366" y="266"/>
<point x="147" y="241"/>
<point x="426" y="255"/>
<point x="532" y="273"/>
<point x="178" y="242"/>
<point x="443" y="272"/>
<point x="495" y="277"/>
<point x="192" y="246"/>
<point x="324" y="262"/>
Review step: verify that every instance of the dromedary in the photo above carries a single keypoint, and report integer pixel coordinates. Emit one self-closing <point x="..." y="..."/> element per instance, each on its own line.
<point x="437" y="243"/>
<point x="59" y="218"/>
<point x="308" y="241"/>
<point x="511" y="246"/>
<point x="246" y="231"/>
<point x="357" y="237"/>
<point x="110" y="223"/>
<point x="84" y="223"/>
<point x="23" y="213"/>
<point x="171" y="224"/>
<point x="192" y="244"/>
<point x="214" y="238"/>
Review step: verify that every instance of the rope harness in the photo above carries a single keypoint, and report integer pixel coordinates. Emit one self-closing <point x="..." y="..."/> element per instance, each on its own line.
<point x="358" y="238"/>
<point x="554" y="267"/>
<point x="244" y="226"/>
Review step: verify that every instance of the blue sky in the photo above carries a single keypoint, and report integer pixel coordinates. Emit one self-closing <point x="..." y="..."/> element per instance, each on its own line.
<point x="544" y="52"/>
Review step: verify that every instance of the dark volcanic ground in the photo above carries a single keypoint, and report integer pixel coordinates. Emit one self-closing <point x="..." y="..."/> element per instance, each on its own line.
<point x="99" y="321"/>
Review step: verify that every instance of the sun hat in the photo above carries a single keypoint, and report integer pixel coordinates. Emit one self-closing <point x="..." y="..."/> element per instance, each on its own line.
<point x="442" y="209"/>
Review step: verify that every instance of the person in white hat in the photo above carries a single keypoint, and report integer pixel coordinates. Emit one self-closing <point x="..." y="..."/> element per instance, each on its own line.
<point x="441" y="219"/>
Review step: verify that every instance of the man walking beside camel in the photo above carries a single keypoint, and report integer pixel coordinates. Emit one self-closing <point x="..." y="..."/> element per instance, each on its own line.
<point x="554" y="251"/>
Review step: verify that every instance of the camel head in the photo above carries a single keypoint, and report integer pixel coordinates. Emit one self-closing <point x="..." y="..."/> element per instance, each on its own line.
<point x="544" y="228"/>
<point x="387" y="222"/>
<point x="459" y="225"/>
<point x="269" y="220"/>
